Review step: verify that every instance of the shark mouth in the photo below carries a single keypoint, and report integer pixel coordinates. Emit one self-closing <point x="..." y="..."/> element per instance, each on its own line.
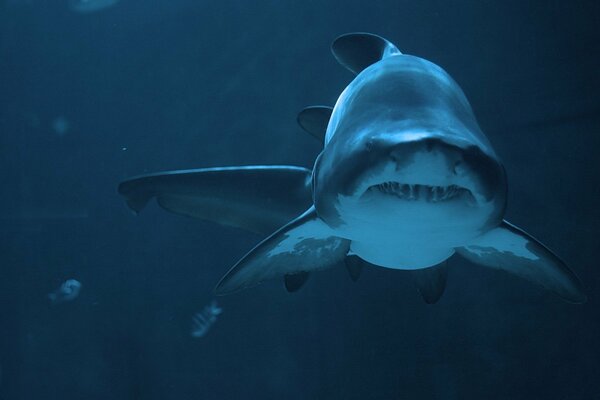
<point x="415" y="192"/>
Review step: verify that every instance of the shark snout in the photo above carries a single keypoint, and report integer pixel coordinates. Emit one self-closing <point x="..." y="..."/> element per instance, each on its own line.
<point x="415" y="160"/>
<point x="404" y="169"/>
<point x="430" y="161"/>
<point x="427" y="161"/>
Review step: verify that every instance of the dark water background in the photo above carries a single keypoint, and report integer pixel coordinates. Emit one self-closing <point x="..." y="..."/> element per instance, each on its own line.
<point x="155" y="85"/>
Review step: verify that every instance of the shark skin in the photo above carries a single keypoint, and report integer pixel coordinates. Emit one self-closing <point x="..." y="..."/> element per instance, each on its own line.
<point x="406" y="180"/>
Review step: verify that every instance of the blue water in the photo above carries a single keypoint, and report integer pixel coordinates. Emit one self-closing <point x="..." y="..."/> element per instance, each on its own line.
<point x="88" y="99"/>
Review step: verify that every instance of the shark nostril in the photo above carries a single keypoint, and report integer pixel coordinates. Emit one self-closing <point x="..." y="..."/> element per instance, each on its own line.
<point x="456" y="166"/>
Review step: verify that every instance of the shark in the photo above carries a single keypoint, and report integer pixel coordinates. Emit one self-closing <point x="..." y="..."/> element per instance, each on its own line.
<point x="406" y="180"/>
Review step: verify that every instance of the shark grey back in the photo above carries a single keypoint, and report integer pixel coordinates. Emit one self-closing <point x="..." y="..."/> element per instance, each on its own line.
<point x="406" y="179"/>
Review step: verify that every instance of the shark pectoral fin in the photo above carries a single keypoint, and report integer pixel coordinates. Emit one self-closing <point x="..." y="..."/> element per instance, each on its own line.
<point x="256" y="198"/>
<point x="513" y="250"/>
<point x="305" y="244"/>
<point x="356" y="51"/>
<point x="314" y="120"/>
<point x="354" y="265"/>
<point x="431" y="281"/>
<point x="293" y="282"/>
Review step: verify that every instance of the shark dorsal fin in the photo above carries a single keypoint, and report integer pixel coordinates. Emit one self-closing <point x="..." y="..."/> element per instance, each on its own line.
<point x="314" y="120"/>
<point x="356" y="51"/>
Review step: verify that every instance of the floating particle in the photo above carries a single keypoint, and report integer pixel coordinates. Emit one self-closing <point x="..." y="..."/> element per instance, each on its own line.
<point x="61" y="126"/>
<point x="205" y="319"/>
<point x="68" y="291"/>
<point x="90" y="6"/>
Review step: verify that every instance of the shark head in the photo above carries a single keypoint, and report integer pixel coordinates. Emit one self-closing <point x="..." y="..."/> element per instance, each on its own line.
<point x="405" y="161"/>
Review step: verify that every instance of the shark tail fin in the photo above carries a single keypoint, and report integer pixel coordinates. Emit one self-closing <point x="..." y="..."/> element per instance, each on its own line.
<point x="305" y="244"/>
<point x="356" y="51"/>
<point x="314" y="120"/>
<point x="257" y="198"/>
<point x="510" y="249"/>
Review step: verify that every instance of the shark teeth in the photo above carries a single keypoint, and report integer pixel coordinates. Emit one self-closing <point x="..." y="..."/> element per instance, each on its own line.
<point x="419" y="192"/>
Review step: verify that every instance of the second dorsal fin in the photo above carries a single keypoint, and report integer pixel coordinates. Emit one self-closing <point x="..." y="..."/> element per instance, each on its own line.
<point x="314" y="120"/>
<point x="356" y="51"/>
